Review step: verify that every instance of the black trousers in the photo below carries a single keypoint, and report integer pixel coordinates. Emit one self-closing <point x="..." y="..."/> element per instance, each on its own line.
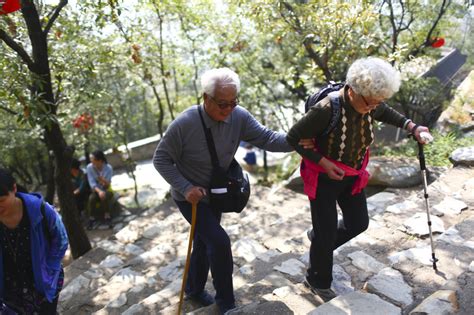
<point x="211" y="249"/>
<point x="327" y="235"/>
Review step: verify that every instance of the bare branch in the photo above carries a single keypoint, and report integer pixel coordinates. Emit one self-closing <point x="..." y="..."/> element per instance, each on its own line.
<point x="55" y="15"/>
<point x="18" y="48"/>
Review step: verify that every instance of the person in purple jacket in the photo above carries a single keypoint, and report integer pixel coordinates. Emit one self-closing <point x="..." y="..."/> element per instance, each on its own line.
<point x="33" y="242"/>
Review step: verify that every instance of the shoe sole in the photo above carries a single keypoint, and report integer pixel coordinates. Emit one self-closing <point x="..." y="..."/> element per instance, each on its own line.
<point x="321" y="299"/>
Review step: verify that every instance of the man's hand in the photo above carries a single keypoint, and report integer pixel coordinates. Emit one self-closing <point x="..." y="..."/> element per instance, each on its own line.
<point x="77" y="191"/>
<point x="101" y="194"/>
<point x="195" y="194"/>
<point x="307" y="144"/>
<point x="332" y="170"/>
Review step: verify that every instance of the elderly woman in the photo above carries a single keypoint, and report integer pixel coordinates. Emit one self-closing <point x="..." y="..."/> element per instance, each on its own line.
<point x="335" y="171"/>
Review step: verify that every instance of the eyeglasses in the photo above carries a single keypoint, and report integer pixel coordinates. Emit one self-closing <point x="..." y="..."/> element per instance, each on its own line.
<point x="224" y="105"/>
<point x="370" y="105"/>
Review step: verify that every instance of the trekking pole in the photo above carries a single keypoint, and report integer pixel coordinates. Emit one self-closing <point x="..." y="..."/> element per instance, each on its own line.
<point x="188" y="256"/>
<point x="421" y="157"/>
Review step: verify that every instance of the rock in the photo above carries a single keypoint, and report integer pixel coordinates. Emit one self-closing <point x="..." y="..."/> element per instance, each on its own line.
<point x="401" y="207"/>
<point x="356" y="303"/>
<point x="390" y="284"/>
<point x="294" y="182"/>
<point x="421" y="254"/>
<point x="366" y="262"/>
<point x="133" y="249"/>
<point x="73" y="287"/>
<point x="172" y="271"/>
<point x="393" y="172"/>
<point x="268" y="255"/>
<point x="381" y="200"/>
<point x="439" y="303"/>
<point x="264" y="308"/>
<point x="248" y="249"/>
<point x="111" y="261"/>
<point x="135" y="309"/>
<point x="341" y="283"/>
<point x="418" y="225"/>
<point x="292" y="267"/>
<point x="293" y="298"/>
<point x="128" y="234"/>
<point x="118" y="302"/>
<point x="450" y="205"/>
<point x="463" y="156"/>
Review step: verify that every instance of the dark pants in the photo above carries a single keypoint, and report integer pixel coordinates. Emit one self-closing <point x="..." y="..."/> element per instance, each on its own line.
<point x="327" y="235"/>
<point x="211" y="248"/>
<point x="104" y="205"/>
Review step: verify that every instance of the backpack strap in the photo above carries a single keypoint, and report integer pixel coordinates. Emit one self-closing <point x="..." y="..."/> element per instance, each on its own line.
<point x="44" y="222"/>
<point x="210" y="141"/>
<point x="335" y="112"/>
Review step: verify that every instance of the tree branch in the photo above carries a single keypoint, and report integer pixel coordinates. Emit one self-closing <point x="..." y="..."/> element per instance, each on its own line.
<point x="55" y="15"/>
<point x="18" y="48"/>
<point x="428" y="40"/>
<point x="8" y="110"/>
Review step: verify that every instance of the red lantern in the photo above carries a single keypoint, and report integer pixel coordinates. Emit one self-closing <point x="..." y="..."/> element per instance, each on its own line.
<point x="437" y="42"/>
<point x="9" y="6"/>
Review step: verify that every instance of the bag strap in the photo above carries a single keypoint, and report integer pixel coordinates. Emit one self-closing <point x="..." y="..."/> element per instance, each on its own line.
<point x="46" y="231"/>
<point x="335" y="113"/>
<point x="210" y="141"/>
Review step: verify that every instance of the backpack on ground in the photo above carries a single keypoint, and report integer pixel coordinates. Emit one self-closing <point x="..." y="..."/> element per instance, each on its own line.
<point x="332" y="90"/>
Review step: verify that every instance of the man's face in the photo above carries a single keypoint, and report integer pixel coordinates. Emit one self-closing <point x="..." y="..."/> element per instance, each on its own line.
<point x="219" y="106"/>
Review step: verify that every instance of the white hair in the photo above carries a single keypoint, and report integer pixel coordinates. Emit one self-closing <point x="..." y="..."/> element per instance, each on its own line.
<point x="373" y="77"/>
<point x="221" y="76"/>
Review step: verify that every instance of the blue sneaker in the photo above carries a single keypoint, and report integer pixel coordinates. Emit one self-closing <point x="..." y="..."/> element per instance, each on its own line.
<point x="203" y="298"/>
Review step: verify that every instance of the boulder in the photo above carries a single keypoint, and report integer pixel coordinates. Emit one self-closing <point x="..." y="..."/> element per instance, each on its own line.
<point x="463" y="156"/>
<point x="394" y="172"/>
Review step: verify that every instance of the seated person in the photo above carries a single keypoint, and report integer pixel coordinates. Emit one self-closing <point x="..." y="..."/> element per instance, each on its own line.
<point x="101" y="200"/>
<point x="80" y="185"/>
<point x="250" y="158"/>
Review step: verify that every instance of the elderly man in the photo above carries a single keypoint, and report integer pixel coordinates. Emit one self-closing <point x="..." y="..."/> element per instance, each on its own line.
<point x="336" y="171"/>
<point x="183" y="159"/>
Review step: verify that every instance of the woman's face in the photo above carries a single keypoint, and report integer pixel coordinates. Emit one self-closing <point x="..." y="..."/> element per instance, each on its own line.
<point x="97" y="163"/>
<point x="7" y="203"/>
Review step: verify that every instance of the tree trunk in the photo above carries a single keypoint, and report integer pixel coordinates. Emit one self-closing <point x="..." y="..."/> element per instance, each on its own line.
<point x="50" y="187"/>
<point x="55" y="141"/>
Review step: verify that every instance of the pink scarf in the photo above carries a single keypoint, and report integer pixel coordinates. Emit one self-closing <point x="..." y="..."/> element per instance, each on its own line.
<point x="310" y="171"/>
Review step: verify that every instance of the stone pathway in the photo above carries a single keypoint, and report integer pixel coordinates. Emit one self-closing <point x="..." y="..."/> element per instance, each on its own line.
<point x="386" y="270"/>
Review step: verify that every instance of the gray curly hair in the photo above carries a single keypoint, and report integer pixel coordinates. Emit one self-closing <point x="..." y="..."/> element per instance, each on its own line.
<point x="223" y="76"/>
<point x="373" y="77"/>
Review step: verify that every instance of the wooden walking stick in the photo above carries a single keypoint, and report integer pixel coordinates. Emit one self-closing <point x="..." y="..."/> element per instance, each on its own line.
<point x="188" y="256"/>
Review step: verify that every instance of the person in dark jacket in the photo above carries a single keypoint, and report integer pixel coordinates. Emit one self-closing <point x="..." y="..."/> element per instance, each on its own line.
<point x="335" y="171"/>
<point x="80" y="184"/>
<point x="33" y="244"/>
<point x="183" y="160"/>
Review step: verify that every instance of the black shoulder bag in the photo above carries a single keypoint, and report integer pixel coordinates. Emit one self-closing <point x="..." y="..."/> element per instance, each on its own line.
<point x="230" y="189"/>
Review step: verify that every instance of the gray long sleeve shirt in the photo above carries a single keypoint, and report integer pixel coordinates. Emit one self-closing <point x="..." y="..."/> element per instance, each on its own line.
<point x="182" y="156"/>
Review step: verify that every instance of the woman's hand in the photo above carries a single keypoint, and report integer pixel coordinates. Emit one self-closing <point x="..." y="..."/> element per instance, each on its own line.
<point x="195" y="194"/>
<point x="423" y="135"/>
<point x="332" y="170"/>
